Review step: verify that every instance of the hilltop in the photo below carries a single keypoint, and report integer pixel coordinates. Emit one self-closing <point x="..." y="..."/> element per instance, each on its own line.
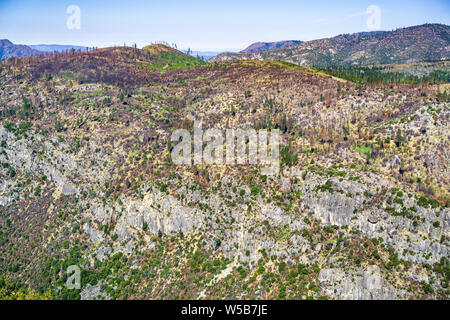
<point x="429" y="42"/>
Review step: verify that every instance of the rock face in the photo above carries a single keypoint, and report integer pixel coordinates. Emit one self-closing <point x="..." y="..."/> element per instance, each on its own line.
<point x="68" y="190"/>
<point x="94" y="293"/>
<point x="159" y="213"/>
<point x="156" y="213"/>
<point x="365" y="284"/>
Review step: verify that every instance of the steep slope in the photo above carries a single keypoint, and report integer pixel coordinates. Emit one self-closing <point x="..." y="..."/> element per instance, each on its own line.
<point x="359" y="209"/>
<point x="413" y="44"/>
<point x="265" y="46"/>
<point x="9" y="50"/>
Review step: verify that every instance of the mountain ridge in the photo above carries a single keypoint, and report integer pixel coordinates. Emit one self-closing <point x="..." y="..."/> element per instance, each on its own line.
<point x="266" y="46"/>
<point x="10" y="50"/>
<point x="405" y="45"/>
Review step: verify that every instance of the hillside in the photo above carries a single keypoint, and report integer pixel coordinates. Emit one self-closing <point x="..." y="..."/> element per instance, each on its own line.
<point x="124" y="66"/>
<point x="9" y="50"/>
<point x="265" y="46"/>
<point x="427" y="42"/>
<point x="359" y="209"/>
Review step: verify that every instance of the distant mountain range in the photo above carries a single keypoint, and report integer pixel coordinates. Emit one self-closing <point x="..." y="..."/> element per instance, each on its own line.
<point x="428" y="42"/>
<point x="265" y="46"/>
<point x="55" y="47"/>
<point x="406" y="45"/>
<point x="9" y="50"/>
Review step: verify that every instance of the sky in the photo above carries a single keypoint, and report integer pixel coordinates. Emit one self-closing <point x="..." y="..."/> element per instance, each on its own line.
<point x="229" y="25"/>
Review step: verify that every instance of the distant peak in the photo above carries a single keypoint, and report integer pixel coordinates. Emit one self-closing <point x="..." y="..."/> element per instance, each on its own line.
<point x="5" y="41"/>
<point x="265" y="46"/>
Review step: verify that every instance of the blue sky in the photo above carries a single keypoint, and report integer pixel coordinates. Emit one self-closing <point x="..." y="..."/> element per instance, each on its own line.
<point x="204" y="25"/>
